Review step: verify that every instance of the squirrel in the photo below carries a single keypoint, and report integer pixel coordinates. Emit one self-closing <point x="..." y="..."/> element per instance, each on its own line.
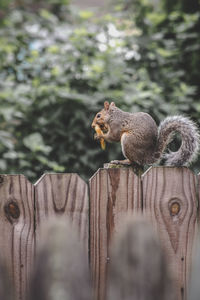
<point x="144" y="143"/>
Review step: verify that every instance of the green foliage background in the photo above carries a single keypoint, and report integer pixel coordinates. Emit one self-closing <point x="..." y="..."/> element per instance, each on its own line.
<point x="58" y="65"/>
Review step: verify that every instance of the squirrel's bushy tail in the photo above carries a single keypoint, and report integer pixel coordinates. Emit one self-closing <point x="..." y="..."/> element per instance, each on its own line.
<point x="190" y="140"/>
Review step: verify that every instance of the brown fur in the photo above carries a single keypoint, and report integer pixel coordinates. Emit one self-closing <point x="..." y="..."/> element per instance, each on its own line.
<point x="142" y="141"/>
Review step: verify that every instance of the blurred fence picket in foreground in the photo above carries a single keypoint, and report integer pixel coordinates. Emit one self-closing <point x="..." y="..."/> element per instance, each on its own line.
<point x="166" y="197"/>
<point x="61" y="269"/>
<point x="138" y="267"/>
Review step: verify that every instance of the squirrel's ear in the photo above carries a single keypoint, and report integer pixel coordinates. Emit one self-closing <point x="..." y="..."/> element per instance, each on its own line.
<point x="112" y="104"/>
<point x="106" y="105"/>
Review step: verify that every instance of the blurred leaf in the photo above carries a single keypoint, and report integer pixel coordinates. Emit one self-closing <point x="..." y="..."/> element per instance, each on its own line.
<point x="86" y="14"/>
<point x="35" y="143"/>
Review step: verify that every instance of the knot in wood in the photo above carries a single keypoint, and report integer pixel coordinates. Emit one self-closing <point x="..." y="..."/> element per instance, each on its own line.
<point x="11" y="210"/>
<point x="175" y="208"/>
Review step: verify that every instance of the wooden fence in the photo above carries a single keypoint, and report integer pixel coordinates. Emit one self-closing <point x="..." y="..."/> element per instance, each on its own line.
<point x="166" y="196"/>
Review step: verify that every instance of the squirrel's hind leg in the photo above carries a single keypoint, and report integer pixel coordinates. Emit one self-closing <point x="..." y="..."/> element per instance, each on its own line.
<point x="125" y="162"/>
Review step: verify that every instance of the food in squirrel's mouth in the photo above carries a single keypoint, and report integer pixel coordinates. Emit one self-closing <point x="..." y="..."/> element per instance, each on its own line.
<point x="99" y="131"/>
<point x="104" y="128"/>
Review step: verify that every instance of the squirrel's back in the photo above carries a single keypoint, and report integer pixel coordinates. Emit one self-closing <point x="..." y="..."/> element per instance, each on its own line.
<point x="145" y="143"/>
<point x="139" y="138"/>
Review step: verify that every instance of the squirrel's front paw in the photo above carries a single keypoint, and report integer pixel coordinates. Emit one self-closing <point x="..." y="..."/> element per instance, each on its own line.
<point x="97" y="136"/>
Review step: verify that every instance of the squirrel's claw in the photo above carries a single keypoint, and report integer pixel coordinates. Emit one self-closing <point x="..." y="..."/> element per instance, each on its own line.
<point x="121" y="162"/>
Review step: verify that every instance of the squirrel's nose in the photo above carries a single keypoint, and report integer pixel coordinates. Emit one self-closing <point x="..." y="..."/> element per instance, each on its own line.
<point x="93" y="125"/>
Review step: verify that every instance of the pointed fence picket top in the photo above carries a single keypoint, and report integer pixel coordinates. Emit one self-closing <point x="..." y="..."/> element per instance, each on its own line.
<point x="60" y="195"/>
<point x="17" y="230"/>
<point x="169" y="200"/>
<point x="113" y="193"/>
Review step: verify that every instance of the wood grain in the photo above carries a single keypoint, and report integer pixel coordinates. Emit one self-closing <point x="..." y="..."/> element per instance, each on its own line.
<point x="60" y="195"/>
<point x="169" y="200"/>
<point x="17" y="230"/>
<point x="113" y="193"/>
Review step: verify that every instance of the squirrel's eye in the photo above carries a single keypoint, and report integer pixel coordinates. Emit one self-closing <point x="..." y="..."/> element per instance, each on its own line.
<point x="98" y="116"/>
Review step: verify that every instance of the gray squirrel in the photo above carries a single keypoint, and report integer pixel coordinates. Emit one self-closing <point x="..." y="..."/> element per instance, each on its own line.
<point x="142" y="141"/>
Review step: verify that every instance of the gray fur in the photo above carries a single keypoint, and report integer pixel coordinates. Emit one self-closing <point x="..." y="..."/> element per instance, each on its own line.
<point x="144" y="143"/>
<point x="137" y="133"/>
<point x="189" y="148"/>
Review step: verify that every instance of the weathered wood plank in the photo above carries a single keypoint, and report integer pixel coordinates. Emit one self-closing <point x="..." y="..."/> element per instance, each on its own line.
<point x="61" y="270"/>
<point x="138" y="267"/>
<point x="169" y="200"/>
<point x="113" y="193"/>
<point x="17" y="230"/>
<point x="62" y="195"/>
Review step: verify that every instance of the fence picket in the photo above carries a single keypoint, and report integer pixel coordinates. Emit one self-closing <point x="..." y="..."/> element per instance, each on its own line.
<point x="138" y="267"/>
<point x="17" y="230"/>
<point x="113" y="192"/>
<point x="166" y="196"/>
<point x="59" y="195"/>
<point x="61" y="270"/>
<point x="169" y="200"/>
